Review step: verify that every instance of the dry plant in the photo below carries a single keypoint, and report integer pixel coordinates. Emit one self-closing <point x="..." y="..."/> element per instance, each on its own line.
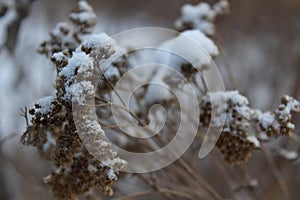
<point x="78" y="54"/>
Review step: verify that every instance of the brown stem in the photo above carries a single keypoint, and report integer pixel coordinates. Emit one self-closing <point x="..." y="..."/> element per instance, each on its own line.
<point x="275" y="172"/>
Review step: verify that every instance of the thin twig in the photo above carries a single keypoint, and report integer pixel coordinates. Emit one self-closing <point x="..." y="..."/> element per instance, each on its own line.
<point x="112" y="88"/>
<point x="24" y="114"/>
<point x="275" y="172"/>
<point x="163" y="191"/>
<point x="181" y="161"/>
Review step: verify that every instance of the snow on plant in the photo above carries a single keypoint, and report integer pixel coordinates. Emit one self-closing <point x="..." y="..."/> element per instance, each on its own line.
<point x="235" y="142"/>
<point x="66" y="36"/>
<point x="79" y="56"/>
<point x="201" y="16"/>
<point x="76" y="171"/>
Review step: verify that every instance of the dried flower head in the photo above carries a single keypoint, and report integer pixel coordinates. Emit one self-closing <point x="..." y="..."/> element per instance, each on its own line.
<point x="235" y="142"/>
<point x="201" y="16"/>
<point x="279" y="122"/>
<point x="68" y="36"/>
<point x="53" y="130"/>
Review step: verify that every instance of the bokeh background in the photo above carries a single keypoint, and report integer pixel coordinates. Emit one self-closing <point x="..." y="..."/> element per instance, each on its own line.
<point x="260" y="45"/>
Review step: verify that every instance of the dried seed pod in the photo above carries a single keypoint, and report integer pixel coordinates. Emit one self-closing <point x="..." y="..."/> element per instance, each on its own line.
<point x="236" y="149"/>
<point x="66" y="36"/>
<point x="279" y="122"/>
<point x="53" y="130"/>
<point x="201" y="16"/>
<point x="234" y="142"/>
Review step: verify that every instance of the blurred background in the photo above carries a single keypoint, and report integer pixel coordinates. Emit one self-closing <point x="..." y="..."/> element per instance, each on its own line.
<point x="260" y="57"/>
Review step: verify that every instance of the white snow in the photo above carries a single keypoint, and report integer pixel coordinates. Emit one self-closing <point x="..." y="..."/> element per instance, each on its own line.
<point x="201" y="16"/>
<point x="291" y="126"/>
<point x="202" y="40"/>
<point x="189" y="46"/>
<point x="93" y="127"/>
<point x="192" y="46"/>
<point x="58" y="56"/>
<point x="254" y="139"/>
<point x="232" y="96"/>
<point x="85" y="13"/>
<point x="266" y="119"/>
<point x="221" y="7"/>
<point x="80" y="92"/>
<point x="111" y="175"/>
<point x="293" y="105"/>
<point x="97" y="41"/>
<point x="84" y="6"/>
<point x="263" y="136"/>
<point x="82" y="17"/>
<point x="198" y="16"/>
<point x="289" y="155"/>
<point x="114" y="163"/>
<point x="78" y="59"/>
<point x="64" y="34"/>
<point x="236" y="98"/>
<point x="221" y="101"/>
<point x="56" y="32"/>
<point x="46" y="104"/>
<point x="85" y="70"/>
